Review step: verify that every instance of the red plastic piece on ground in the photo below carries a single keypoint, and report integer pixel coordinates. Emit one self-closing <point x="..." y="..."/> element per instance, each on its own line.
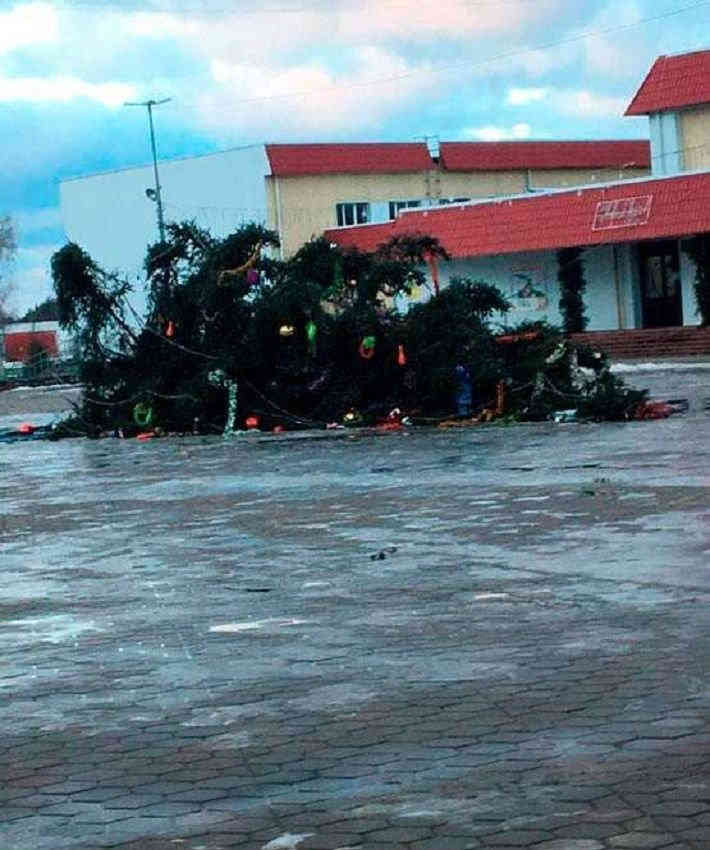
<point x="389" y="426"/>
<point x="145" y="435"/>
<point x="654" y="410"/>
<point x="278" y="429"/>
<point x="26" y="428"/>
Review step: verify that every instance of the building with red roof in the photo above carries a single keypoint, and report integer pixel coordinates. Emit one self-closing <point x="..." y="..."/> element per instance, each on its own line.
<point x="634" y="234"/>
<point x="676" y="97"/>
<point x="312" y="187"/>
<point x="353" y="158"/>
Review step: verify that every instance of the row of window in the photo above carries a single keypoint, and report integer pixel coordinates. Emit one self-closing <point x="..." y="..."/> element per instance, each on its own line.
<point x="363" y="213"/>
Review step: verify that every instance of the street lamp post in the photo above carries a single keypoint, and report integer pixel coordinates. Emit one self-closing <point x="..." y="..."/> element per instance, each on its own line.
<point x="149" y="104"/>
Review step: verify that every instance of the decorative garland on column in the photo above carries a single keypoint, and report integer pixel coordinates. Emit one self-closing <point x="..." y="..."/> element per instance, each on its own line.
<point x="219" y="378"/>
<point x="698" y="249"/>
<point x="572" y="285"/>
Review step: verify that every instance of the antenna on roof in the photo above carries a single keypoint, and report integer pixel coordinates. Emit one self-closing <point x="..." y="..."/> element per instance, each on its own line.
<point x="432" y="143"/>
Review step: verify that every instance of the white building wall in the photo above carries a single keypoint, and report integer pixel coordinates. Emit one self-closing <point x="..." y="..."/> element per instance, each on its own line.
<point x="612" y="296"/>
<point x="513" y="273"/>
<point x="110" y="216"/>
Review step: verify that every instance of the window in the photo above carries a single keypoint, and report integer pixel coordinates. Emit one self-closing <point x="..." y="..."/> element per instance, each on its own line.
<point x="352" y="213"/>
<point x="444" y="201"/>
<point x="396" y="206"/>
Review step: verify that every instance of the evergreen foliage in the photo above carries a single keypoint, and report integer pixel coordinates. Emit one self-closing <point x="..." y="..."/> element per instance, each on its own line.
<point x="306" y="340"/>
<point x="698" y="249"/>
<point x="572" y="286"/>
<point x="46" y="311"/>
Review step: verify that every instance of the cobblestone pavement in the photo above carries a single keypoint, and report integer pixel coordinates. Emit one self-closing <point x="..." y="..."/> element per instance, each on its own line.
<point x="491" y="639"/>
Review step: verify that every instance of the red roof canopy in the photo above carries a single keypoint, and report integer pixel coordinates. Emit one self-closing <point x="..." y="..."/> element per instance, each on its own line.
<point x="356" y="158"/>
<point x="495" y="156"/>
<point x="393" y="157"/>
<point x="674" y="82"/>
<point x="623" y="212"/>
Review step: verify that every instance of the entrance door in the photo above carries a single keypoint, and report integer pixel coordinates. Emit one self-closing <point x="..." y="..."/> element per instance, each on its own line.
<point x="660" y="284"/>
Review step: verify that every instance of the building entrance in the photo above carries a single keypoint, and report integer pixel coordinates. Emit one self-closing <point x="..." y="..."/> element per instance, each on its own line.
<point x="661" y="304"/>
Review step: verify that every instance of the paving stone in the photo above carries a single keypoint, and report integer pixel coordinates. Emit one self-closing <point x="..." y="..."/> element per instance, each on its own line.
<point x="517" y="838"/>
<point x="167" y="809"/>
<point x="640" y="840"/>
<point x="514" y="724"/>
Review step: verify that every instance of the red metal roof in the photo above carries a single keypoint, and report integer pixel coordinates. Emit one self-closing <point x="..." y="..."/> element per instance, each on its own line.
<point x="674" y="82"/>
<point x="356" y="158"/>
<point x="392" y="157"/>
<point x="498" y="156"/>
<point x="623" y="212"/>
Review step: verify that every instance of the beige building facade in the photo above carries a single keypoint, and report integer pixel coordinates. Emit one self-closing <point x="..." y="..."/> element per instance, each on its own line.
<point x="694" y="133"/>
<point x="305" y="196"/>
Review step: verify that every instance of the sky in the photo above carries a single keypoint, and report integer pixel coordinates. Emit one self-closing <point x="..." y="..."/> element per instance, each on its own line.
<point x="251" y="71"/>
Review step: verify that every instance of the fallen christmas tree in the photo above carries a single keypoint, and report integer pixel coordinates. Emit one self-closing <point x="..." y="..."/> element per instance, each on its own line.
<point x="231" y="334"/>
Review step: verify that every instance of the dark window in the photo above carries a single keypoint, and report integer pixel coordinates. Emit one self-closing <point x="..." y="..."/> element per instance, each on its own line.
<point x="396" y="206"/>
<point x="352" y="213"/>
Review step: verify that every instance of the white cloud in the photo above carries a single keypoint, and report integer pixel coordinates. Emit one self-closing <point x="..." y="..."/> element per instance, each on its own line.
<point x="588" y="104"/>
<point x="309" y="97"/>
<point x="615" y="54"/>
<point x="29" y="220"/>
<point x="492" y="133"/>
<point x="28" y="24"/>
<point x="257" y="32"/>
<point x="30" y="278"/>
<point x="525" y="96"/>
<point x="62" y="89"/>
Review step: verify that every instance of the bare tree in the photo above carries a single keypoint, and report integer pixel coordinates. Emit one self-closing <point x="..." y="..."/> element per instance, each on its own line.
<point x="8" y="247"/>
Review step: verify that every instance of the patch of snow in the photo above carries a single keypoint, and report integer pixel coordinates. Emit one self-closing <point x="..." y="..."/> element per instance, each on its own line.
<point x="287" y="841"/>
<point x="480" y="596"/>
<point x="658" y="366"/>
<point x="230" y="628"/>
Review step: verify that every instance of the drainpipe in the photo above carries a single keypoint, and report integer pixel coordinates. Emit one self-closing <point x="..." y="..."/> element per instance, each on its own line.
<point x="620" y="306"/>
<point x="279" y="222"/>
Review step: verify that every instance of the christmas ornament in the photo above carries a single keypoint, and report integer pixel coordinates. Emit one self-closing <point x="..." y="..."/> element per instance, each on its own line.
<point x="367" y="348"/>
<point x="401" y="356"/>
<point x="311" y="331"/>
<point x="143" y="414"/>
<point x="287" y="330"/>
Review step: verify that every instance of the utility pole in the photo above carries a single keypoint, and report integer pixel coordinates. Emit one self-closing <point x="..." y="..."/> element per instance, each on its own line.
<point x="149" y="104"/>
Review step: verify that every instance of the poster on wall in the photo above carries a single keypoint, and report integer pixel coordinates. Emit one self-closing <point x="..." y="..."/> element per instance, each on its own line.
<point x="528" y="290"/>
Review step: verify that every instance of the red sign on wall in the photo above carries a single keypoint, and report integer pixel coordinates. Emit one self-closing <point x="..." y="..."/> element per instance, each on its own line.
<point x="622" y="212"/>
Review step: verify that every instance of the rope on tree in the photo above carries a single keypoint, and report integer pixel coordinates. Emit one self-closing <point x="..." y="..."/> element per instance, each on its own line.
<point x="228" y="274"/>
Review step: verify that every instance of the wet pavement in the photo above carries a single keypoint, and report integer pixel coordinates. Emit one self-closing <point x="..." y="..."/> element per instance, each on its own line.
<point x="493" y="638"/>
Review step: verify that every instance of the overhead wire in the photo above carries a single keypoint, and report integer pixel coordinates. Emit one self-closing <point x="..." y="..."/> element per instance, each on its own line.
<point x="445" y="67"/>
<point x="415" y="72"/>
